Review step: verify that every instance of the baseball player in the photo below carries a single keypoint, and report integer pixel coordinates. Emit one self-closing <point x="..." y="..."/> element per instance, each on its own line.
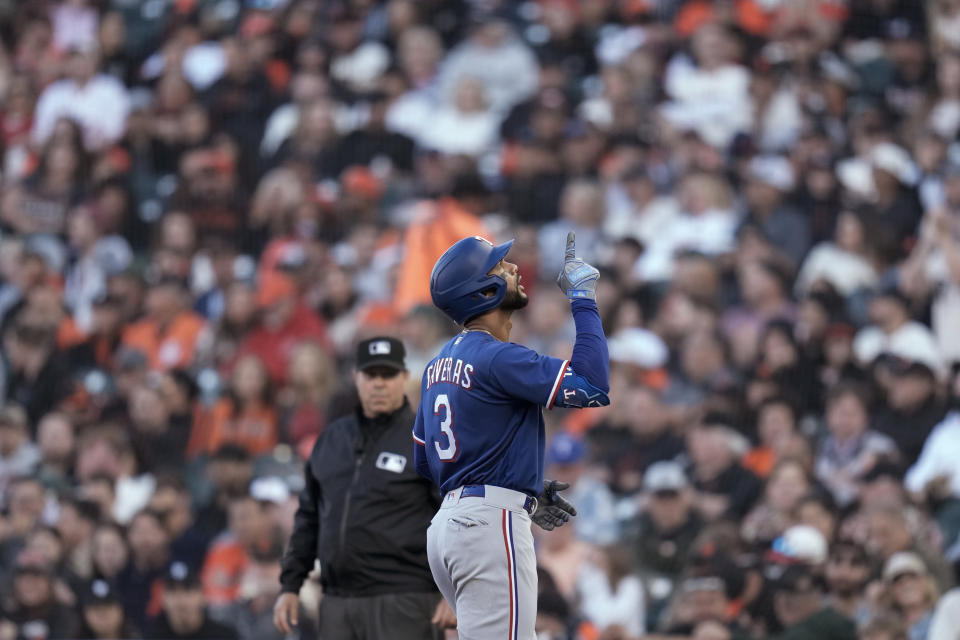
<point x="479" y="433"/>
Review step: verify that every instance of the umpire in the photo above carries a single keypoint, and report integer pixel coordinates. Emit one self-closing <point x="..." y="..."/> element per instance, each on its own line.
<point x="364" y="513"/>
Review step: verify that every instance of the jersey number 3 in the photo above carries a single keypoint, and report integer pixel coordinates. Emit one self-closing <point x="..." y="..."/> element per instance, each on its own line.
<point x="450" y="452"/>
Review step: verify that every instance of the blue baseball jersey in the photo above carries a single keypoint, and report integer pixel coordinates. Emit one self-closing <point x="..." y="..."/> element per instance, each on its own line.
<point x="480" y="419"/>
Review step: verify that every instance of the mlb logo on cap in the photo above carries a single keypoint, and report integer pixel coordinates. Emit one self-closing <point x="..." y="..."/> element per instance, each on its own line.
<point x="381" y="351"/>
<point x="380" y="348"/>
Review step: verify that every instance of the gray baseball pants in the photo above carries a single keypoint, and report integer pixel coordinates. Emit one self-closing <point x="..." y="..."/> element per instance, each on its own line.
<point x="482" y="558"/>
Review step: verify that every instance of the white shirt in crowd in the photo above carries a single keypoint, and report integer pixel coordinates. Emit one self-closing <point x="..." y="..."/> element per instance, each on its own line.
<point x="509" y="71"/>
<point x="945" y="624"/>
<point x="454" y="132"/>
<point x="711" y="232"/>
<point x="74" y="27"/>
<point x="605" y="606"/>
<point x="946" y="306"/>
<point x="938" y="457"/>
<point x="715" y="103"/>
<point x="645" y="225"/>
<point x="846" y="271"/>
<point x="100" y="107"/>
<point x="412" y="113"/>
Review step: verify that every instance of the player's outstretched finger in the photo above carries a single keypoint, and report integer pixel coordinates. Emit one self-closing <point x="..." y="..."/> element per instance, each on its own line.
<point x="556" y="485"/>
<point x="571" y="246"/>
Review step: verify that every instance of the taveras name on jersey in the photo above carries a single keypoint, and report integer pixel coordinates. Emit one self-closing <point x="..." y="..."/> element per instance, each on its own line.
<point x="447" y="370"/>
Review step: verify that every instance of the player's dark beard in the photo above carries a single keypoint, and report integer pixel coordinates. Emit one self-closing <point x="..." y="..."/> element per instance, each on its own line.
<point x="514" y="300"/>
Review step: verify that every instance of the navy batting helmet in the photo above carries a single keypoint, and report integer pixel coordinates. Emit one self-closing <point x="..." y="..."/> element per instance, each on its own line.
<point x="459" y="284"/>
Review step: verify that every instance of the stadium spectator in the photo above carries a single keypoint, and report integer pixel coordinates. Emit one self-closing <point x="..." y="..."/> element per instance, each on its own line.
<point x="206" y="205"/>
<point x="847" y="573"/>
<point x="102" y="613"/>
<point x="909" y="592"/>
<point x="33" y="608"/>
<point x="800" y="608"/>
<point x="184" y="613"/>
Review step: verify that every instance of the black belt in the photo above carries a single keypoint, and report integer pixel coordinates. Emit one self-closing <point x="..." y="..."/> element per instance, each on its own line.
<point x="479" y="491"/>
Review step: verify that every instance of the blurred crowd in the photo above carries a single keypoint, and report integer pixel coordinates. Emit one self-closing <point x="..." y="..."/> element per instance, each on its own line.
<point x="206" y="203"/>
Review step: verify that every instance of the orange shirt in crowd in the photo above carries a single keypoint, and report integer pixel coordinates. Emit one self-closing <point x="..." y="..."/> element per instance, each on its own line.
<point x="749" y="15"/>
<point x="69" y="334"/>
<point x="254" y="428"/>
<point x="760" y="460"/>
<point x="166" y="348"/>
<point x="437" y="227"/>
<point x="222" y="570"/>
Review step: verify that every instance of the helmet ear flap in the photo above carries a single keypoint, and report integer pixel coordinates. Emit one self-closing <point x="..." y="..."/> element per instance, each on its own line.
<point x="487" y="294"/>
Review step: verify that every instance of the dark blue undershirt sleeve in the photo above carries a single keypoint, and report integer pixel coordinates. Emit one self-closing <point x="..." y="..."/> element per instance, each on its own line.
<point x="590" y="357"/>
<point x="419" y="446"/>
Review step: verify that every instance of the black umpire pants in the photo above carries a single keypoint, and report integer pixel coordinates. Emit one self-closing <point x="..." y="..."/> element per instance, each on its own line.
<point x="391" y="616"/>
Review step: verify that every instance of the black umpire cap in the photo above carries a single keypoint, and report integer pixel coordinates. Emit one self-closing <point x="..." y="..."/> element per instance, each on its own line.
<point x="381" y="351"/>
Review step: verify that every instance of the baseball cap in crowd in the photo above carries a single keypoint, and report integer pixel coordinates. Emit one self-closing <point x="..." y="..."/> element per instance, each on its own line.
<point x="639" y="347"/>
<point x="274" y="287"/>
<point x="665" y="476"/>
<point x="179" y="575"/>
<point x="381" y="351"/>
<point x="800" y="543"/>
<point x="270" y="489"/>
<point x="901" y="563"/>
<point x="775" y="171"/>
<point x="99" y="592"/>
<point x="565" y="449"/>
<point x="911" y="348"/>
<point x="894" y="160"/>
<point x="901" y="28"/>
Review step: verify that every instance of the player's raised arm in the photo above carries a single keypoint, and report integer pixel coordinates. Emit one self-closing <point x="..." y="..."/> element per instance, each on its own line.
<point x="587" y="381"/>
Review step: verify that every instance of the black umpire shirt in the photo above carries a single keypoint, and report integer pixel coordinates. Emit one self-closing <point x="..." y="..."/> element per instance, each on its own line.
<point x="364" y="511"/>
